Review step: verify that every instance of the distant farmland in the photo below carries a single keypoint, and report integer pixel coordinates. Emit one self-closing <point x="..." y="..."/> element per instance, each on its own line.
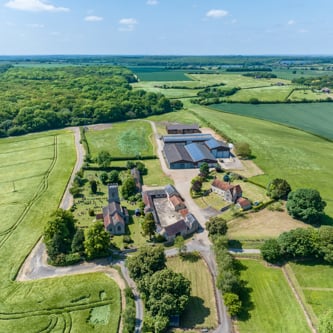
<point x="316" y="118"/>
<point x="159" y="74"/>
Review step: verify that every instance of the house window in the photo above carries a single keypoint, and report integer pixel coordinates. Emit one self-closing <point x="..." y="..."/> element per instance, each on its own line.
<point x="119" y="228"/>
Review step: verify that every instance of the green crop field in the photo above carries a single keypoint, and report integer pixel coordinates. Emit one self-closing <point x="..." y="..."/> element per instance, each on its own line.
<point x="316" y="283"/>
<point x="235" y="80"/>
<point x="201" y="310"/>
<point x="34" y="172"/>
<point x="271" y="306"/>
<point x="127" y="139"/>
<point x="315" y="118"/>
<point x="156" y="73"/>
<point x="304" y="160"/>
<point x="264" y="94"/>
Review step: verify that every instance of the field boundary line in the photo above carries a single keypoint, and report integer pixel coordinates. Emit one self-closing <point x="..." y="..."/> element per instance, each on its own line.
<point x="295" y="291"/>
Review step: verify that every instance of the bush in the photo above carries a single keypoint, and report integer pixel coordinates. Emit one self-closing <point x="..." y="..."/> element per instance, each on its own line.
<point x="271" y="250"/>
<point x="127" y="239"/>
<point x="91" y="212"/>
<point x="233" y="303"/>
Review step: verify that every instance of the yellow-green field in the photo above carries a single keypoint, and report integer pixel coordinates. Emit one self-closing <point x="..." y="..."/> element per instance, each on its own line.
<point x="35" y="170"/>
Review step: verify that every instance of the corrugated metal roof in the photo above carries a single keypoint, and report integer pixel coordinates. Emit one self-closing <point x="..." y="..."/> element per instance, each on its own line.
<point x="182" y="127"/>
<point x="176" y="153"/>
<point x="198" y="137"/>
<point x="213" y="143"/>
<point x="199" y="152"/>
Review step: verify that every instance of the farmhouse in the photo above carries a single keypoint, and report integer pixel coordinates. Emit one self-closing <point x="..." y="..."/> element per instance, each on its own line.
<point x="115" y="216"/>
<point x="182" y="129"/>
<point x="171" y="216"/>
<point x="228" y="191"/>
<point x="192" y="150"/>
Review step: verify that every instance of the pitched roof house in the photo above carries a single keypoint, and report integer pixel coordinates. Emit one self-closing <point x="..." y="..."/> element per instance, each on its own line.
<point x="228" y="191"/>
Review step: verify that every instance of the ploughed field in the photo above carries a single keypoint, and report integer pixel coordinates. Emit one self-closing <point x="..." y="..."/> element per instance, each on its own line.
<point x="34" y="171"/>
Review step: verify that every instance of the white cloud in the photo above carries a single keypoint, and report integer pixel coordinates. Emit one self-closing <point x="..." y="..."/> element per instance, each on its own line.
<point x="217" y="13"/>
<point x="93" y="18"/>
<point x="127" y="24"/>
<point x="152" y="2"/>
<point x="36" y="25"/>
<point x="291" y="22"/>
<point x="34" y="6"/>
<point x="303" y="31"/>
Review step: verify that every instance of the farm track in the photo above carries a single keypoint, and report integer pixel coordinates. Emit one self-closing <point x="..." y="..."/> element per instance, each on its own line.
<point x="42" y="187"/>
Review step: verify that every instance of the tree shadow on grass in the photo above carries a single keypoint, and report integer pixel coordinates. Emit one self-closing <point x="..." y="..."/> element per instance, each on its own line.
<point x="247" y="303"/>
<point x="326" y="220"/>
<point x="195" y="313"/>
<point x="190" y="256"/>
<point x="244" y="295"/>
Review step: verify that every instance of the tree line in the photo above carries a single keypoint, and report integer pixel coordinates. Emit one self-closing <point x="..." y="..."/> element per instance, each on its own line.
<point x="36" y="98"/>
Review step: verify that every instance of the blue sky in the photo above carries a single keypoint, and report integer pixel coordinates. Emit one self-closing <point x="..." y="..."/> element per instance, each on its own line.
<point x="159" y="27"/>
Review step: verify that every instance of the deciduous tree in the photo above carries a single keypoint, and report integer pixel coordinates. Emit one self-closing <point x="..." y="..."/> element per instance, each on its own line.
<point x="306" y="205"/>
<point x="278" y="189"/>
<point x="148" y="260"/>
<point x="97" y="241"/>
<point x="149" y="225"/>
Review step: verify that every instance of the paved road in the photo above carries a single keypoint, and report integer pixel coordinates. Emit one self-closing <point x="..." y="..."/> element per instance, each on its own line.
<point x="137" y="299"/>
<point x="201" y="241"/>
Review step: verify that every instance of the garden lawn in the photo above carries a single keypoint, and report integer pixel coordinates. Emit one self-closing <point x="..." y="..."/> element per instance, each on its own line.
<point x="155" y="175"/>
<point x="125" y="139"/>
<point x="201" y="310"/>
<point x="272" y="306"/>
<point x="304" y="160"/>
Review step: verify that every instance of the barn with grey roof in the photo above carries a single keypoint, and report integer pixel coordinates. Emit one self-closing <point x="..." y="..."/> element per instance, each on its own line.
<point x="192" y="150"/>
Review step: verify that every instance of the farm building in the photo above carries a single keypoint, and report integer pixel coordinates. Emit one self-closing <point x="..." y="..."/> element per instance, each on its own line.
<point x="171" y="216"/>
<point x="243" y="204"/>
<point x="115" y="216"/>
<point x="219" y="149"/>
<point x="182" y="129"/>
<point x="190" y="151"/>
<point x="186" y="138"/>
<point x="227" y="191"/>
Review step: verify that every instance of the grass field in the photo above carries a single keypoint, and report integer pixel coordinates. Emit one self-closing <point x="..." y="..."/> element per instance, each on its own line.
<point x="126" y="139"/>
<point x="262" y="225"/>
<point x="304" y="160"/>
<point x="29" y="195"/>
<point x="201" y="310"/>
<point x="156" y="73"/>
<point x="263" y="94"/>
<point x="316" y="282"/>
<point x="315" y="118"/>
<point x="272" y="307"/>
